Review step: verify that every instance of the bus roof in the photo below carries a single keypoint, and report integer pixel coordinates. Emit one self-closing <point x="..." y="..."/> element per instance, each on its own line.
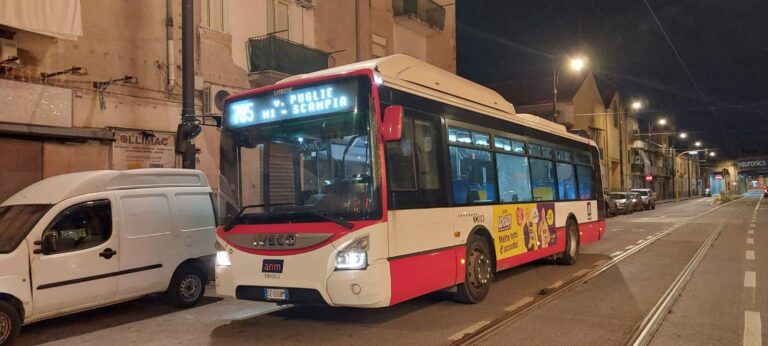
<point x="414" y="76"/>
<point x="58" y="188"/>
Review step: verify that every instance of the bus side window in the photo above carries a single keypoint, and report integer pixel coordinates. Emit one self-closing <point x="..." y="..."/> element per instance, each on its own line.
<point x="584" y="175"/>
<point x="474" y="179"/>
<point x="514" y="178"/>
<point x="543" y="179"/>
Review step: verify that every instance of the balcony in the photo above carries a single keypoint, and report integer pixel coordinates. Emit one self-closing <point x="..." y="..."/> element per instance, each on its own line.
<point x="272" y="58"/>
<point x="424" y="17"/>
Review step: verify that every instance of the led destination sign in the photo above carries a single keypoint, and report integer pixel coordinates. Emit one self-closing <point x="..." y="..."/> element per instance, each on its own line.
<point x="293" y="103"/>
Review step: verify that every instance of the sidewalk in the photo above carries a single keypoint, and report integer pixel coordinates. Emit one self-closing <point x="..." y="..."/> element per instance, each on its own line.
<point x="670" y="200"/>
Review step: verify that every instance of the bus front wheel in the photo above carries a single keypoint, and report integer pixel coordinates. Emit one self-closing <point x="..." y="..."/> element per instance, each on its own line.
<point x="478" y="271"/>
<point x="571" y="253"/>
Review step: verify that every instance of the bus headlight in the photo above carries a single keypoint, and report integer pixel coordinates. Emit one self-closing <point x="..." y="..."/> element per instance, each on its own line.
<point x="354" y="256"/>
<point x="222" y="259"/>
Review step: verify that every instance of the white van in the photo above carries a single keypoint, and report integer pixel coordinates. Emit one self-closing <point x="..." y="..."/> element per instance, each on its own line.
<point x="83" y="240"/>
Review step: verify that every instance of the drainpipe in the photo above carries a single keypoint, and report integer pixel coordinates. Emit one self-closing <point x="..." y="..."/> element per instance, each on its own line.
<point x="171" y="60"/>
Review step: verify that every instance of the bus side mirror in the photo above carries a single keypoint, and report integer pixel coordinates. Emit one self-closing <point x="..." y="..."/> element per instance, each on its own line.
<point x="392" y="126"/>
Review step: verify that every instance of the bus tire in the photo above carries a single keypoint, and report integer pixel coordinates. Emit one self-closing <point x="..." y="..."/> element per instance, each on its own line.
<point x="187" y="286"/>
<point x="478" y="273"/>
<point x="10" y="323"/>
<point x="571" y="253"/>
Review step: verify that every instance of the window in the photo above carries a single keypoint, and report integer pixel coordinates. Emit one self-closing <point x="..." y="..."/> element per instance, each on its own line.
<point x="506" y="144"/>
<point x="412" y="165"/>
<point x="583" y="158"/>
<point x="481" y="139"/>
<point x="278" y="14"/>
<point x="543" y="180"/>
<point x="584" y="175"/>
<point x="514" y="178"/>
<point x="80" y="226"/>
<point x="379" y="47"/>
<point x="400" y="161"/>
<point x="566" y="182"/>
<point x="540" y="150"/>
<point x="459" y="135"/>
<point x="563" y="155"/>
<point x="215" y="14"/>
<point x="474" y="180"/>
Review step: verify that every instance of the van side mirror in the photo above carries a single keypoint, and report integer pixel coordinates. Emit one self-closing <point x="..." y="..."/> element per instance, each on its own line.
<point x="392" y="126"/>
<point x="47" y="245"/>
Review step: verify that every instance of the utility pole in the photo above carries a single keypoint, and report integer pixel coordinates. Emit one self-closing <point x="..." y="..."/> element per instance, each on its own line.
<point x="187" y="129"/>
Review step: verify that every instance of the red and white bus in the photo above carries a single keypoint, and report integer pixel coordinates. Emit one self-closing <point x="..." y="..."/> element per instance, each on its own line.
<point x="373" y="183"/>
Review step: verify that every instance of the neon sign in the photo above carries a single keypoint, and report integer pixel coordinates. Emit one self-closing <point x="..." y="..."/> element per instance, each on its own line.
<point x="290" y="103"/>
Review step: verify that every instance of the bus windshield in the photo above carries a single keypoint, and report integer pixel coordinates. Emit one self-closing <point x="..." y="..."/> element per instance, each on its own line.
<point x="302" y="169"/>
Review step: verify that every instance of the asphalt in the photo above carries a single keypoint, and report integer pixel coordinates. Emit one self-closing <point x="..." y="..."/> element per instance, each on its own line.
<point x="603" y="311"/>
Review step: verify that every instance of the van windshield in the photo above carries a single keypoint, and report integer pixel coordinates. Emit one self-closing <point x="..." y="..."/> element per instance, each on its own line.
<point x="16" y="221"/>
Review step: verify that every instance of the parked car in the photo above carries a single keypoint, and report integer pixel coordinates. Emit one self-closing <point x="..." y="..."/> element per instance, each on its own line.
<point x="84" y="240"/>
<point x="647" y="196"/>
<point x="635" y="201"/>
<point x="610" y="205"/>
<point x="622" y="202"/>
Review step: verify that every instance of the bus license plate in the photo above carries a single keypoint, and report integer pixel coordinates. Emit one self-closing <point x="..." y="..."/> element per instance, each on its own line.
<point x="276" y="294"/>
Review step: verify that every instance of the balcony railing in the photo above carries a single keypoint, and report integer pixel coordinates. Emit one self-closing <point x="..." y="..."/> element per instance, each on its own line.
<point x="271" y="58"/>
<point x="423" y="16"/>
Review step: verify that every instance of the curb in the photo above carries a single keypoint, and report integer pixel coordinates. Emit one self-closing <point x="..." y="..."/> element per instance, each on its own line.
<point x="674" y="200"/>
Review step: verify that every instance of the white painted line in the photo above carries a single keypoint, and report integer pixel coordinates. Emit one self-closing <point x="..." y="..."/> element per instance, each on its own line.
<point x="640" y="241"/>
<point x="751" y="232"/>
<point x="648" y="237"/>
<point x="752" y="225"/>
<point x="584" y="271"/>
<point x="752" y="333"/>
<point x="617" y="253"/>
<point x="469" y="330"/>
<point x="518" y="304"/>
<point x="600" y="262"/>
<point x="750" y="241"/>
<point x="629" y="247"/>
<point x="556" y="285"/>
<point x="750" y="279"/>
<point x="750" y="255"/>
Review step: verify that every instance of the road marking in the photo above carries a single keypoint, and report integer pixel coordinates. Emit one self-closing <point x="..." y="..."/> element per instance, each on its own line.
<point x="518" y="304"/>
<point x="750" y="255"/>
<point x="555" y="285"/>
<point x="750" y="279"/>
<point x="629" y="247"/>
<point x="648" y="237"/>
<point x="583" y="271"/>
<point x="750" y="241"/>
<point x="752" y="225"/>
<point x="752" y="333"/>
<point x="469" y="330"/>
<point x="640" y="241"/>
<point x="751" y="232"/>
<point x="617" y="253"/>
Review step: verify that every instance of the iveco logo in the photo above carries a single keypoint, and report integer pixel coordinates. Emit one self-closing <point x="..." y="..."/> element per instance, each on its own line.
<point x="275" y="240"/>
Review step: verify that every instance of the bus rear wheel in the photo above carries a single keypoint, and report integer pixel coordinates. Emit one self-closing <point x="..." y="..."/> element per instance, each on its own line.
<point x="571" y="253"/>
<point x="478" y="273"/>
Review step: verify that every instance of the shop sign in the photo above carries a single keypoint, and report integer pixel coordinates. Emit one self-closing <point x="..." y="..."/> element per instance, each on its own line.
<point x="140" y="149"/>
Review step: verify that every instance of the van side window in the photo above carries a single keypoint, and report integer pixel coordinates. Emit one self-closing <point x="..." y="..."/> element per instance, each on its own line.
<point x="81" y="226"/>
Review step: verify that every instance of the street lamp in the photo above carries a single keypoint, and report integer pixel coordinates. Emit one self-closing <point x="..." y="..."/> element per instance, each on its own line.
<point x="575" y="64"/>
<point x="697" y="144"/>
<point x="662" y="121"/>
<point x="683" y="135"/>
<point x="636" y="105"/>
<point x="712" y="154"/>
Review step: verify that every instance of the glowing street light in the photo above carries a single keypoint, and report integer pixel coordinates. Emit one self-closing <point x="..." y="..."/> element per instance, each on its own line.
<point x="697" y="144"/>
<point x="683" y="135"/>
<point x="662" y="121"/>
<point x="636" y="105"/>
<point x="712" y="154"/>
<point x="577" y="64"/>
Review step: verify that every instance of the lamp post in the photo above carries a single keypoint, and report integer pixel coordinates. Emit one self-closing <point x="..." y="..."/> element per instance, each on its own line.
<point x="575" y="64"/>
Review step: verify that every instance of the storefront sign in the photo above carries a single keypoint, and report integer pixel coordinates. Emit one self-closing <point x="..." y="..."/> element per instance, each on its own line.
<point x="753" y="164"/>
<point x="137" y="149"/>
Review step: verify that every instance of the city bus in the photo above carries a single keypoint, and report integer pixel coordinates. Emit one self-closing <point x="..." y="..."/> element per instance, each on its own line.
<point x="370" y="184"/>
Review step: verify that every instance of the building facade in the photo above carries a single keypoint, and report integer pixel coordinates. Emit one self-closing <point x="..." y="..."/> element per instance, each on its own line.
<point x="97" y="84"/>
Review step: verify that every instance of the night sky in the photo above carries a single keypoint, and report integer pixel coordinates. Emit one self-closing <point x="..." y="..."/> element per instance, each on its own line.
<point x="723" y="44"/>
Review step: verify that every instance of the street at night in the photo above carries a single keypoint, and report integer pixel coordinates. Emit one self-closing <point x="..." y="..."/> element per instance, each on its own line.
<point x="606" y="309"/>
<point x="383" y="172"/>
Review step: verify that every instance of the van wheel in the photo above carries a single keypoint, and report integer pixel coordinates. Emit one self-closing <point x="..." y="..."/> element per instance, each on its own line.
<point x="10" y="323"/>
<point x="479" y="272"/>
<point x="187" y="287"/>
<point x="571" y="253"/>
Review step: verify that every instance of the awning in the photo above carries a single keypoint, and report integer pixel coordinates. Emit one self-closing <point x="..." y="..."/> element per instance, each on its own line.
<point x="56" y="18"/>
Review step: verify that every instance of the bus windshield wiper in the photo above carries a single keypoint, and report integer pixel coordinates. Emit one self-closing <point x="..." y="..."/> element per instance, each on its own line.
<point x="237" y="217"/>
<point x="335" y="219"/>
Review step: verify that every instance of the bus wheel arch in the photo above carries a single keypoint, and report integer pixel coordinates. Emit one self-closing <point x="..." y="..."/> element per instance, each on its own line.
<point x="479" y="267"/>
<point x="570" y="254"/>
